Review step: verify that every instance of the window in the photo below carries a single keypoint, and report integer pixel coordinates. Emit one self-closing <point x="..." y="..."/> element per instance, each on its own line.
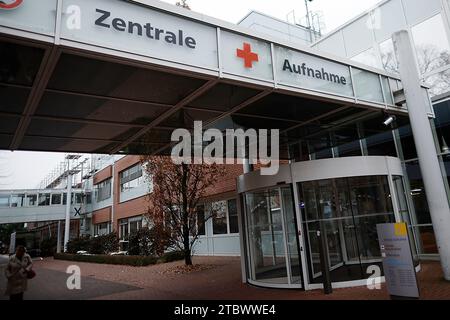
<point x="233" y="216"/>
<point x="17" y="200"/>
<point x="103" y="190"/>
<point x="131" y="178"/>
<point x="31" y="200"/>
<point x="78" y="198"/>
<point x="127" y="226"/>
<point x="135" y="224"/>
<point x="432" y="45"/>
<point x="219" y="213"/>
<point x="388" y="58"/>
<point x="102" y="228"/>
<point x="123" y="229"/>
<point x="65" y="199"/>
<point x="201" y="220"/>
<point x="4" y="200"/>
<point x="56" y="198"/>
<point x="44" y="199"/>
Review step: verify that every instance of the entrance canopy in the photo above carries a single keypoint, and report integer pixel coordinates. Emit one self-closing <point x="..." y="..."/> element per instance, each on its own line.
<point x="112" y="76"/>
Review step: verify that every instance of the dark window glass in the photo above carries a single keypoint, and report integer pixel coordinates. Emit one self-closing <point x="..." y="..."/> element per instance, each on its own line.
<point x="418" y="192"/>
<point x="103" y="190"/>
<point x="201" y="220"/>
<point x="219" y="213"/>
<point x="56" y="198"/>
<point x="347" y="141"/>
<point x="407" y="141"/>
<point x="44" y="199"/>
<point x="233" y="216"/>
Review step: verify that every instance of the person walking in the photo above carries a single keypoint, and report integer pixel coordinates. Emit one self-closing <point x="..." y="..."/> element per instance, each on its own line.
<point x="18" y="271"/>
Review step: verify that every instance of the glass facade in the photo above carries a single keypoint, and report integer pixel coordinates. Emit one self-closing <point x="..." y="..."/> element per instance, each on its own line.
<point x="368" y="39"/>
<point x="345" y="211"/>
<point x="272" y="237"/>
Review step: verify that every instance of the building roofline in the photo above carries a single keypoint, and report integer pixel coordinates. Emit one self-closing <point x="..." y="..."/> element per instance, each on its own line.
<point x="357" y="17"/>
<point x="192" y="15"/>
<point x="273" y="18"/>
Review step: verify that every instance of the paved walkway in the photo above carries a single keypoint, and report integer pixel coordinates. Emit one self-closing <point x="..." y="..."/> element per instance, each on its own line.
<point x="221" y="281"/>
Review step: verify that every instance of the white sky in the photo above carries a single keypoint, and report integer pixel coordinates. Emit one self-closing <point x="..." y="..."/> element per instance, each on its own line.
<point x="26" y="169"/>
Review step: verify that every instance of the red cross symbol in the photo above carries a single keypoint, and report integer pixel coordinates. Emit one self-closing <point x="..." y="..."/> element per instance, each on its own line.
<point x="247" y="54"/>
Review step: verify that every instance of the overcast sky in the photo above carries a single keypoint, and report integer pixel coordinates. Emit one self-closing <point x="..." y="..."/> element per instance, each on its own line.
<point x="26" y="169"/>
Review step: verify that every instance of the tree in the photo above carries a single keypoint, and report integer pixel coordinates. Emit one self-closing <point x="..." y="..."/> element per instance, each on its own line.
<point x="429" y="58"/>
<point x="177" y="192"/>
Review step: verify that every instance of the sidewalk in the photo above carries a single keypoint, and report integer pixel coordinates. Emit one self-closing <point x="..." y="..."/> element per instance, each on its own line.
<point x="221" y="282"/>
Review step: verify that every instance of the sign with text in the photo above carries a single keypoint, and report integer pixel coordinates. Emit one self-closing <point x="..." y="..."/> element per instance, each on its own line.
<point x="135" y="29"/>
<point x="298" y="69"/>
<point x="398" y="263"/>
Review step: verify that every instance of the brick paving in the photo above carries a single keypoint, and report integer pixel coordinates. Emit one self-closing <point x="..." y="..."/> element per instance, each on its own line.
<point x="222" y="282"/>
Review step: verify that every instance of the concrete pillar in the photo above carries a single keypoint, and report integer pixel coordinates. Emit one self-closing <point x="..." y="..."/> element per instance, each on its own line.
<point x="68" y="205"/>
<point x="426" y="150"/>
<point x="58" y="244"/>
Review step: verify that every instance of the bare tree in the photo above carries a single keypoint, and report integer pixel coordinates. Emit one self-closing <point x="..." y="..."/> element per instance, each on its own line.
<point x="429" y="58"/>
<point x="176" y="195"/>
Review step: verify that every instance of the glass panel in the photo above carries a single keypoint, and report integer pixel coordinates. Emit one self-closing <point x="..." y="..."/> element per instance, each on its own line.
<point x="201" y="220"/>
<point x="358" y="36"/>
<point x="44" y="199"/>
<point x="219" y="213"/>
<point x="291" y="235"/>
<point x="428" y="240"/>
<point x="233" y="216"/>
<point x="379" y="138"/>
<point x="432" y="51"/>
<point x="388" y="57"/>
<point x="370" y="195"/>
<point x="31" y="200"/>
<point x="388" y="18"/>
<point x="17" y="200"/>
<point x="349" y="210"/>
<point x="266" y="241"/>
<point x="367" y="85"/>
<point x="348" y="142"/>
<point x="418" y="193"/>
<point x="439" y="83"/>
<point x="4" y="200"/>
<point x="103" y="190"/>
<point x="418" y="10"/>
<point x="56" y="198"/>
<point x="369" y="58"/>
<point x="404" y="212"/>
<point x="387" y="91"/>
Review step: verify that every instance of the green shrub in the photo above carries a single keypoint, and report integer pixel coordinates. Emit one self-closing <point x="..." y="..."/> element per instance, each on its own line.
<point x="136" y="261"/>
<point x="104" y="244"/>
<point x="79" y="244"/>
<point x="48" y="247"/>
<point x="149" y="242"/>
<point x="171" y="256"/>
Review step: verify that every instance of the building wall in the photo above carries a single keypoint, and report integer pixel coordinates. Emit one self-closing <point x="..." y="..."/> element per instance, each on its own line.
<point x="134" y="203"/>
<point x="274" y="27"/>
<point x="368" y="38"/>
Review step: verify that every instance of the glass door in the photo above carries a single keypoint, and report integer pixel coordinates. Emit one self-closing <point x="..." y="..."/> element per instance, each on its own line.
<point x="272" y="237"/>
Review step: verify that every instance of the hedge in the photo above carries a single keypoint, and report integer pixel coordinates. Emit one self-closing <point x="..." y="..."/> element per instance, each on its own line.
<point x="136" y="261"/>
